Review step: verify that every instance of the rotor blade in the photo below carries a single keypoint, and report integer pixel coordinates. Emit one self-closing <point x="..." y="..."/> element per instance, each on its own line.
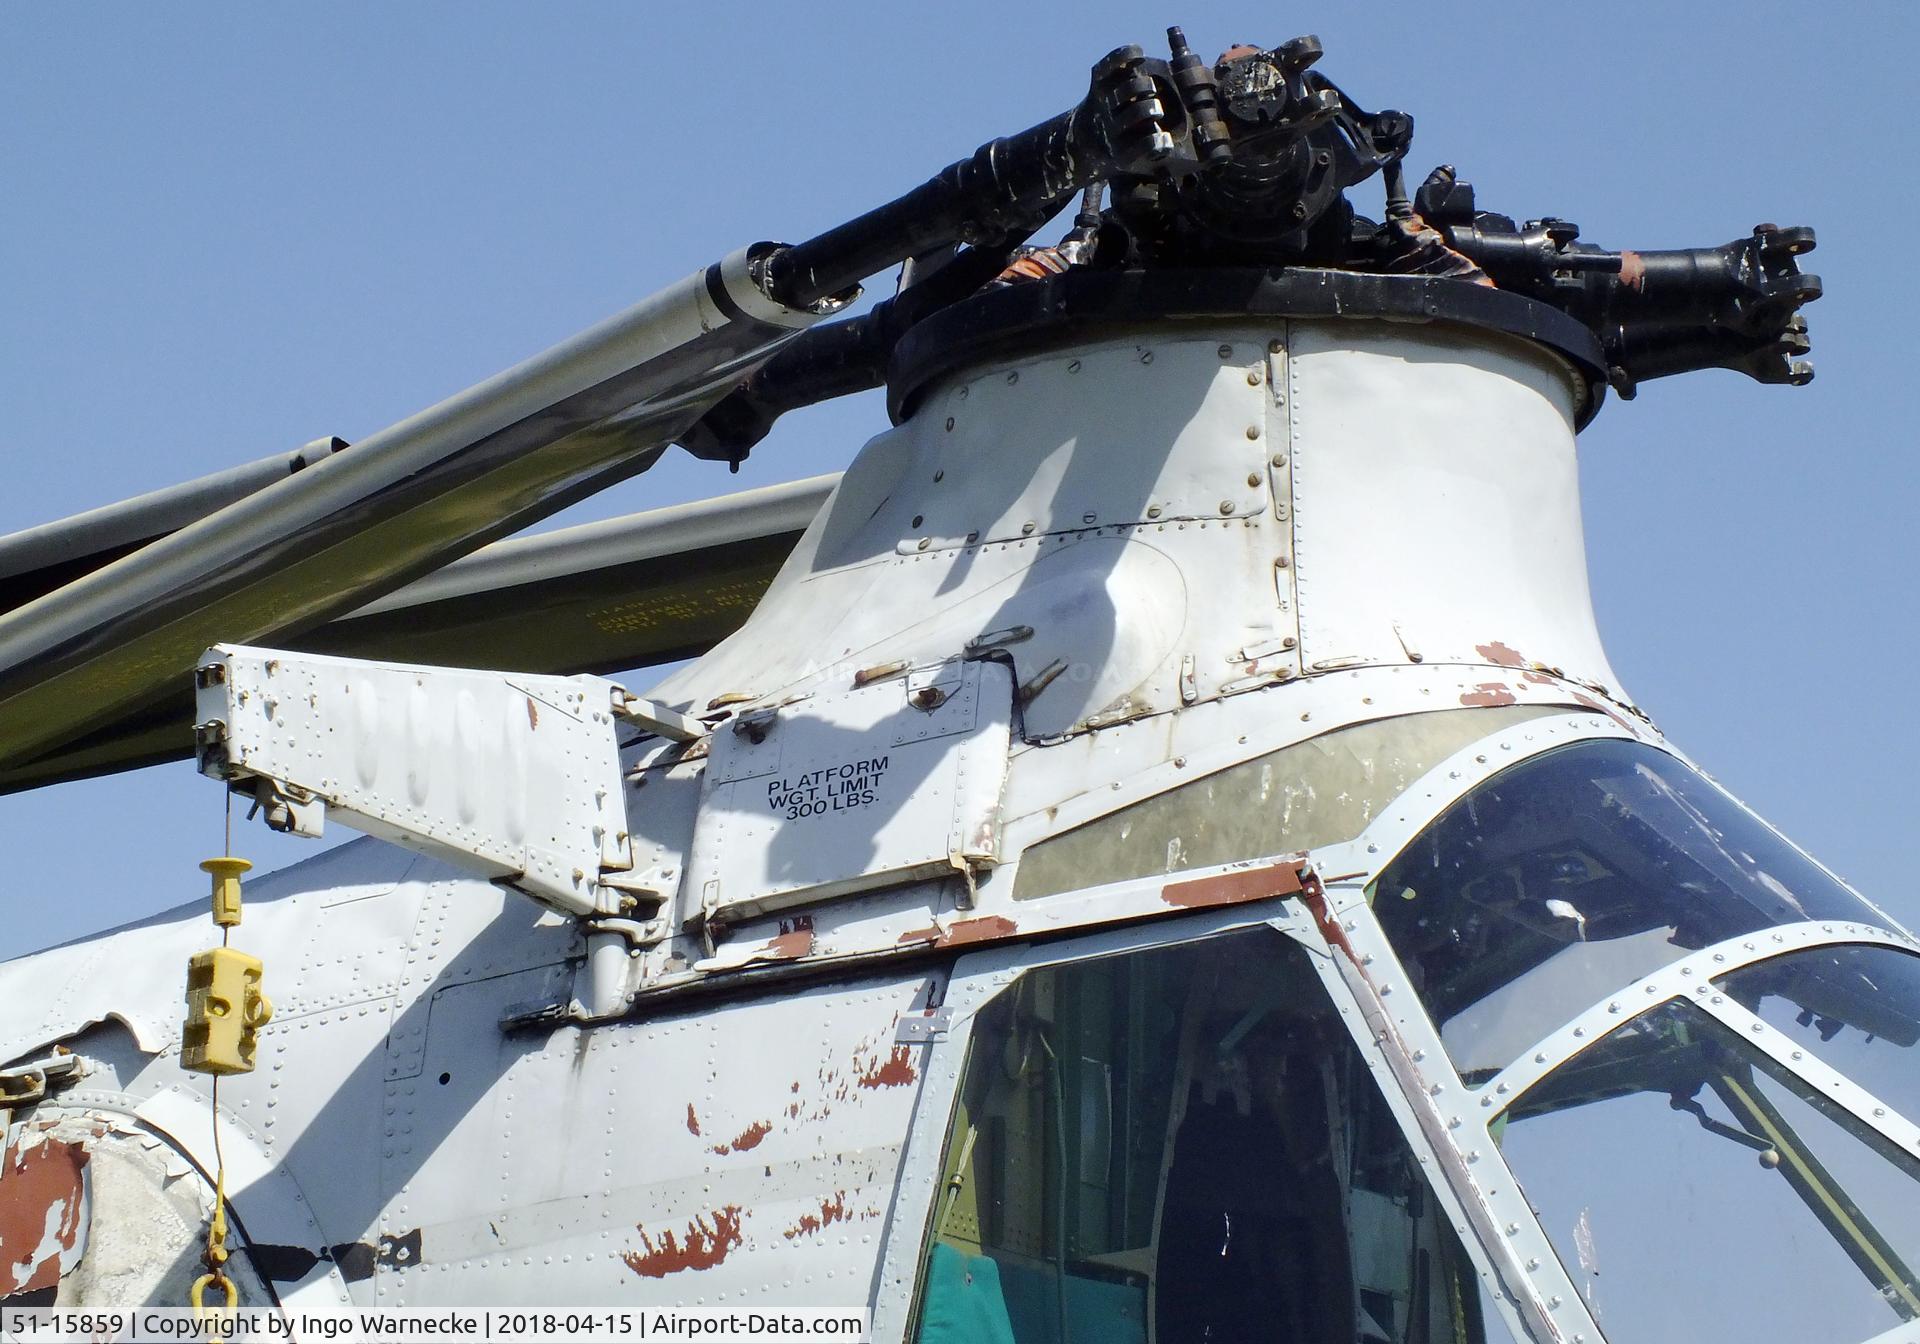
<point x="38" y="560"/>
<point x="602" y="598"/>
<point x="403" y="502"/>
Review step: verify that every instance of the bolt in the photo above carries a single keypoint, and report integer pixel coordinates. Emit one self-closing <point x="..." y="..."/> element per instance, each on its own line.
<point x="949" y="424"/>
<point x="1253" y="431"/>
<point x="1013" y="378"/>
<point x="1073" y="366"/>
<point x="1146" y="356"/>
<point x="1274" y="347"/>
<point x="1253" y="378"/>
<point x="1154" y="511"/>
<point x="1225" y="351"/>
<point x="1226" y="506"/>
<point x="1253" y="478"/>
<point x="925" y="542"/>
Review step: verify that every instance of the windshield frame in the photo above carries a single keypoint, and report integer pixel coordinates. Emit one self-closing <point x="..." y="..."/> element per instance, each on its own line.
<point x="1819" y="1087"/>
<point x="1470" y="1112"/>
<point x="1691" y="979"/>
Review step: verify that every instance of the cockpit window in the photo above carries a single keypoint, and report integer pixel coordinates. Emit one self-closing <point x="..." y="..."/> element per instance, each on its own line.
<point x="1183" y="1144"/>
<point x="1572" y="874"/>
<point x="1857" y="1008"/>
<point x="1696" y="1190"/>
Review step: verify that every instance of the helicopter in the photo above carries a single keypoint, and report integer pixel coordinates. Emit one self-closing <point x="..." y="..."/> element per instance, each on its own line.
<point x="927" y="909"/>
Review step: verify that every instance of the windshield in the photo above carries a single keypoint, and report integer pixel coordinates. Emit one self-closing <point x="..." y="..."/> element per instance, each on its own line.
<point x="1695" y="1190"/>
<point x="1576" y="872"/>
<point x="1857" y="1008"/>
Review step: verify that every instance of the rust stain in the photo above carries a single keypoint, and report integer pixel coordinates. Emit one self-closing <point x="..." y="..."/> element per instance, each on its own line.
<point x="1499" y="653"/>
<point x="795" y="1087"/>
<point x="831" y="1211"/>
<point x="709" y="1238"/>
<point x="533" y="714"/>
<point x="693" y="1121"/>
<point x="1314" y="896"/>
<point x="1487" y="695"/>
<point x="1248" y="884"/>
<point x="983" y="929"/>
<point x="748" y="1139"/>
<point x="41" y="1200"/>
<point x="1633" y="270"/>
<point x="895" y="1071"/>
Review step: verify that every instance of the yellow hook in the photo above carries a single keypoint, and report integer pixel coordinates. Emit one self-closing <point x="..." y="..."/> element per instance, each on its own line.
<point x="200" y="1309"/>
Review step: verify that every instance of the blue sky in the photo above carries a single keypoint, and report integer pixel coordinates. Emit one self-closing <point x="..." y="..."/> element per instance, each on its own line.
<point x="228" y="230"/>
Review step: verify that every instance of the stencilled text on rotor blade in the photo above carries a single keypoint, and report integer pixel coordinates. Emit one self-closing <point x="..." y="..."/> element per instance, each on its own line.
<point x="833" y="788"/>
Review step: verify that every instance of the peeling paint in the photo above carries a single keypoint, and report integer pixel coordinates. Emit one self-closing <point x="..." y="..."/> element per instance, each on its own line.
<point x="709" y="1239"/>
<point x="1603" y="707"/>
<point x="1489" y="695"/>
<point x="795" y="940"/>
<point x="831" y="1211"/>
<point x="748" y="1139"/>
<point x="1248" y="884"/>
<point x="983" y="929"/>
<point x="693" y="1121"/>
<point x="1499" y="653"/>
<point x="1633" y="270"/>
<point x="533" y="714"/>
<point x="42" y="1202"/>
<point x="895" y="1071"/>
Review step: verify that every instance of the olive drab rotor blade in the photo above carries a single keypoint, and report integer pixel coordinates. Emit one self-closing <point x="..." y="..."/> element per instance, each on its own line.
<point x="602" y="598"/>
<point x="484" y="463"/>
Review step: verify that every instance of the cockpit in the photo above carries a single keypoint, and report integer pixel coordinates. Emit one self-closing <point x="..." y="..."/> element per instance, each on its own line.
<point x="1672" y="1061"/>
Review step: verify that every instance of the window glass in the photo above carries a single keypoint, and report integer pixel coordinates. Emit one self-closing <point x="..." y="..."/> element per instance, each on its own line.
<point x="1857" y="1008"/>
<point x="1183" y="1144"/>
<point x="1694" y="1190"/>
<point x="1312" y="793"/>
<point x="1572" y="874"/>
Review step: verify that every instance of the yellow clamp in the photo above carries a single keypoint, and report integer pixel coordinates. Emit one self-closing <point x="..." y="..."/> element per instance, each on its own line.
<point x="226" y="888"/>
<point x="216" y="1255"/>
